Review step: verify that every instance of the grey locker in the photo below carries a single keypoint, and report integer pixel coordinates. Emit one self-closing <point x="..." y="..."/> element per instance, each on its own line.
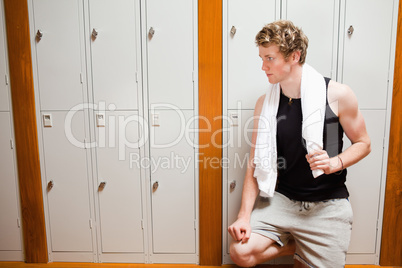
<point x="319" y="21"/>
<point x="170" y="52"/>
<point x="59" y="53"/>
<point x="239" y="144"/>
<point x="10" y="234"/>
<point x="102" y="39"/>
<point x="173" y="182"/>
<point x="364" y="184"/>
<point x="4" y="92"/>
<point x="366" y="53"/>
<point x="119" y="182"/>
<point x="115" y="47"/>
<point x="66" y="176"/>
<point x="245" y="79"/>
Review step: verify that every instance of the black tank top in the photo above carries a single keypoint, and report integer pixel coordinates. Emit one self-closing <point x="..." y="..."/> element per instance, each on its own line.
<point x="295" y="179"/>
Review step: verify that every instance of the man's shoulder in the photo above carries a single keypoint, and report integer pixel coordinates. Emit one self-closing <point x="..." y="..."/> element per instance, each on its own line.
<point x="259" y="104"/>
<point x="341" y="98"/>
<point x="260" y="100"/>
<point x="338" y="91"/>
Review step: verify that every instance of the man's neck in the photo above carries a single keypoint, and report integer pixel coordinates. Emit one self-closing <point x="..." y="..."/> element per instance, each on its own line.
<point x="291" y="85"/>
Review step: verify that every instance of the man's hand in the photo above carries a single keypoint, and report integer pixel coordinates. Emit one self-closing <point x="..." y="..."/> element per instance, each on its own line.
<point x="319" y="159"/>
<point x="240" y="230"/>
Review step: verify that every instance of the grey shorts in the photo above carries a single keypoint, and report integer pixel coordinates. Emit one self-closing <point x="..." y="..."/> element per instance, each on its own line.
<point x="321" y="230"/>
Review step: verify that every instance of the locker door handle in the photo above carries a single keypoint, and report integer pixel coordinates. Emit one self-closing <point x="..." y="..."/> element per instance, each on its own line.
<point x="232" y="185"/>
<point x="233" y="31"/>
<point x="155" y="186"/>
<point x="50" y="185"/>
<point x="102" y="185"/>
<point x="350" y="30"/>
<point x="39" y="35"/>
<point x="151" y="32"/>
<point x="94" y="33"/>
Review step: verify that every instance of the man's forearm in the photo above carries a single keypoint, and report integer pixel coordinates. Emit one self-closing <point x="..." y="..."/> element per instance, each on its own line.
<point x="354" y="154"/>
<point x="249" y="194"/>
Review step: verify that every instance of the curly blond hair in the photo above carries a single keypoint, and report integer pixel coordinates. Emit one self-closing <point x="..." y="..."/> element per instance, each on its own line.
<point x="286" y="36"/>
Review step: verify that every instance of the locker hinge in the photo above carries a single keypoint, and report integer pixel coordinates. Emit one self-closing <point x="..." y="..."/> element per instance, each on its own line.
<point x="195" y="225"/>
<point x="136" y="77"/>
<point x="142" y="224"/>
<point x="378" y="223"/>
<point x="7" y="79"/>
<point x="12" y="144"/>
<point x="383" y="142"/>
<point x="90" y="223"/>
<point x="193" y="76"/>
<point x="19" y="223"/>
<point x="81" y="79"/>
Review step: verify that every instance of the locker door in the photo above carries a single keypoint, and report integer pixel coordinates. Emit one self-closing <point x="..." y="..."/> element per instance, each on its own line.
<point x="246" y="81"/>
<point x="114" y="47"/>
<point x="238" y="155"/>
<point x="170" y="52"/>
<point x="4" y="98"/>
<point x="366" y="50"/>
<point x="66" y="168"/>
<point x="364" y="183"/>
<point x="59" y="52"/>
<point x="10" y="236"/>
<point x="118" y="167"/>
<point x="319" y="21"/>
<point x="172" y="178"/>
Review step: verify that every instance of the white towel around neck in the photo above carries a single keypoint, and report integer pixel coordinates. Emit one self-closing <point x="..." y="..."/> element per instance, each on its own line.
<point x="313" y="102"/>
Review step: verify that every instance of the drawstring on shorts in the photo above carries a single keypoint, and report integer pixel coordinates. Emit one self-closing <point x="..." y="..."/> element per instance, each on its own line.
<point x="304" y="205"/>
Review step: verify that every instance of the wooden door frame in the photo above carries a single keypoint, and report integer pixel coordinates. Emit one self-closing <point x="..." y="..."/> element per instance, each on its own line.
<point x="25" y="131"/>
<point x="210" y="108"/>
<point x="391" y="239"/>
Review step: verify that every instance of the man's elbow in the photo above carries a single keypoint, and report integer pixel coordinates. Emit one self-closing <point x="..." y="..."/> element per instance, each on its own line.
<point x="368" y="146"/>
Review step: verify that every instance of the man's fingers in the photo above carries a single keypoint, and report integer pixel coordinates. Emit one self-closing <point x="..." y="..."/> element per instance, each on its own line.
<point x="231" y="232"/>
<point x="316" y="153"/>
<point x="234" y="233"/>
<point x="317" y="159"/>
<point x="238" y="234"/>
<point x="246" y="235"/>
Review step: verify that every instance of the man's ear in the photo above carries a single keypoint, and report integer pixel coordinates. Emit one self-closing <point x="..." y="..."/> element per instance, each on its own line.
<point x="296" y="56"/>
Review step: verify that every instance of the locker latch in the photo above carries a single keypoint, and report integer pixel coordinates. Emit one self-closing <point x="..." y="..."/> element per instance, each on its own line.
<point x="100" y="120"/>
<point x="155" y="186"/>
<point x="94" y="33"/>
<point x="39" y="35"/>
<point x="102" y="185"/>
<point x="233" y="30"/>
<point x="151" y="32"/>
<point x="47" y="120"/>
<point x="351" y="30"/>
<point x="234" y="119"/>
<point x="232" y="185"/>
<point x="50" y="185"/>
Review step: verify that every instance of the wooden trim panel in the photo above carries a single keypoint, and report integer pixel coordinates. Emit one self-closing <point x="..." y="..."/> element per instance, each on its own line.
<point x="26" y="137"/>
<point x="210" y="107"/>
<point x="391" y="242"/>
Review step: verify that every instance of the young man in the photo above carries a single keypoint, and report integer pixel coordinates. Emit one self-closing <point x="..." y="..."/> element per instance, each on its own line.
<point x="309" y="214"/>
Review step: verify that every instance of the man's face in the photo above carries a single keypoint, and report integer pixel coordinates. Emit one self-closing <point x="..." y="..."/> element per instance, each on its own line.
<point x="274" y="64"/>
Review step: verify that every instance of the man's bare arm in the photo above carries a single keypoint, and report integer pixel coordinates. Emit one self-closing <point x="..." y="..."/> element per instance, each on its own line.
<point x="344" y="104"/>
<point x="240" y="229"/>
